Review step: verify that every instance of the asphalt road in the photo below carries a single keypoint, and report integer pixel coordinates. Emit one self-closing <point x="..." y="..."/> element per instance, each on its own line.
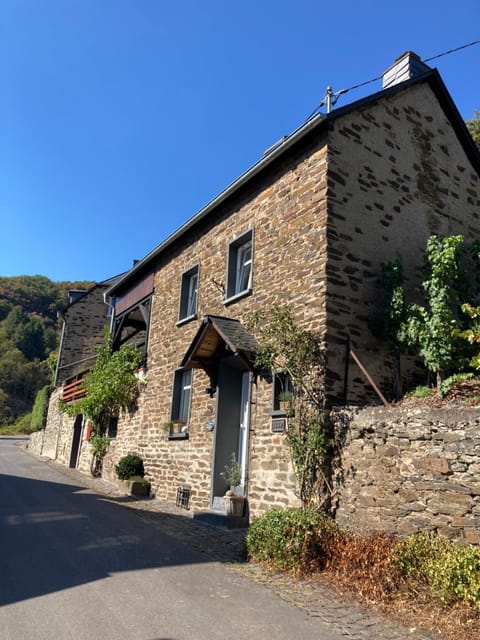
<point x="75" y="566"/>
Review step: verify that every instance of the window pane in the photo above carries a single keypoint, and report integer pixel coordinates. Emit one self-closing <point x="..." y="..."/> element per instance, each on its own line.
<point x="192" y="294"/>
<point x="244" y="267"/>
<point x="185" y="395"/>
<point x="188" y="294"/>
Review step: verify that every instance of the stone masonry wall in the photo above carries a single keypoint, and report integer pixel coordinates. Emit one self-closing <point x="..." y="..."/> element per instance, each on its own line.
<point x="55" y="423"/>
<point x="391" y="175"/>
<point x="287" y="212"/>
<point x="397" y="174"/>
<point x="409" y="470"/>
<point x="83" y="328"/>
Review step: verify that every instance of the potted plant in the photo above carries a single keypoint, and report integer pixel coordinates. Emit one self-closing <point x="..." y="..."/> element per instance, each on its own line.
<point x="285" y="401"/>
<point x="233" y="499"/>
<point x="130" y="472"/>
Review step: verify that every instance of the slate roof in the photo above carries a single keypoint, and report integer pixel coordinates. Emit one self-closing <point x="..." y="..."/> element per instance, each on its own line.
<point x="216" y="333"/>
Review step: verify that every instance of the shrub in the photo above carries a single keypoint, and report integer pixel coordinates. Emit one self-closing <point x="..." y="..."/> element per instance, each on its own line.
<point x="423" y="392"/>
<point x="290" y="539"/>
<point x="365" y="561"/>
<point x="452" y="380"/>
<point x="40" y="409"/>
<point x="128" y="466"/>
<point x="452" y="572"/>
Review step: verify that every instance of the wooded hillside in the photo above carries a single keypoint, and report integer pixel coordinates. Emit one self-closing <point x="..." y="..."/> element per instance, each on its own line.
<point x="29" y="334"/>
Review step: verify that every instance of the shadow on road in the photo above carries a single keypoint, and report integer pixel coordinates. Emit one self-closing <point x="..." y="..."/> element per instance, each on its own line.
<point x="55" y="536"/>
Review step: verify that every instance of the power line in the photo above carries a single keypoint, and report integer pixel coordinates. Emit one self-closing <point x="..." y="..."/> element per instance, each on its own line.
<point x="333" y="97"/>
<point x="445" y="53"/>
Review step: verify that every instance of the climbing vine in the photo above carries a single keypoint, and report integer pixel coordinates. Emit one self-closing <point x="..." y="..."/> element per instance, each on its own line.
<point x="286" y="348"/>
<point x="110" y="385"/>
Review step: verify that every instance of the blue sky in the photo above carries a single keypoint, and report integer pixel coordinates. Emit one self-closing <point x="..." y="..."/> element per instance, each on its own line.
<point x="120" y="119"/>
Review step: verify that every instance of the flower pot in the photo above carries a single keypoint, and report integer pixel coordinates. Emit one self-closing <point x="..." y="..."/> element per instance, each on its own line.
<point x="135" y="487"/>
<point x="234" y="505"/>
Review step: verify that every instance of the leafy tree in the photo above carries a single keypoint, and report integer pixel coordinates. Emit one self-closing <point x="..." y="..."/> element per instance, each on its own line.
<point x="434" y="327"/>
<point x="298" y="353"/>
<point x="6" y="416"/>
<point x="27" y="333"/>
<point x="472" y="334"/>
<point x="394" y="314"/>
<point x="5" y="308"/>
<point x="473" y="126"/>
<point x="21" y="380"/>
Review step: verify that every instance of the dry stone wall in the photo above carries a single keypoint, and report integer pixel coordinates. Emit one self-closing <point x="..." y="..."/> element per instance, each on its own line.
<point x="409" y="470"/>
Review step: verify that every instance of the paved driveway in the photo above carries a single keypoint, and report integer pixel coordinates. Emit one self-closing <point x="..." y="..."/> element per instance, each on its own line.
<point x="75" y="563"/>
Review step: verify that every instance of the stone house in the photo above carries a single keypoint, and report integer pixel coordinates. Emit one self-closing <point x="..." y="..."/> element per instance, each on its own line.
<point x="308" y="225"/>
<point x="84" y="321"/>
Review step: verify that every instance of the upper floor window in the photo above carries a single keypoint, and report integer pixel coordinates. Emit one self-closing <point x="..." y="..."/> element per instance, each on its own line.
<point x="181" y="401"/>
<point x="188" y="294"/>
<point x="240" y="262"/>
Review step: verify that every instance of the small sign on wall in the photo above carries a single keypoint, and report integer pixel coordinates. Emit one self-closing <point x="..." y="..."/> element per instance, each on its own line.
<point x="278" y="425"/>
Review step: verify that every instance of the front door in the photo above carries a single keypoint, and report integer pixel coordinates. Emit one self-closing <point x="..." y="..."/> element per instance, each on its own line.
<point x="232" y="426"/>
<point x="76" y="439"/>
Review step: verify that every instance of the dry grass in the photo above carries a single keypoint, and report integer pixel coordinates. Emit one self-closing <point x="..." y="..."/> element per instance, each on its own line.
<point x="414" y="609"/>
<point x="364" y="567"/>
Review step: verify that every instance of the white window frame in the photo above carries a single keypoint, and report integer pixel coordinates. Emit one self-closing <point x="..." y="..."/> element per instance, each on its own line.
<point x="187" y="309"/>
<point x="240" y="258"/>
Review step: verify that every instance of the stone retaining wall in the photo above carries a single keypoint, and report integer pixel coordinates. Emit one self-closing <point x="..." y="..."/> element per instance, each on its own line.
<point x="406" y="470"/>
<point x="35" y="442"/>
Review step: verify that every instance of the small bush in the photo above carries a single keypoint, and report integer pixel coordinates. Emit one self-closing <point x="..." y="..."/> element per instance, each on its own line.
<point x="423" y="392"/>
<point x="452" y="572"/>
<point x="128" y="466"/>
<point x="290" y="539"/>
<point x="451" y="380"/>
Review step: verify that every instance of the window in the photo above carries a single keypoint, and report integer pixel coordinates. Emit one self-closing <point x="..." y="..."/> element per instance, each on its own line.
<point x="188" y="295"/>
<point x="239" y="271"/>
<point x="182" y="396"/>
<point x="283" y="393"/>
<point x="112" y="427"/>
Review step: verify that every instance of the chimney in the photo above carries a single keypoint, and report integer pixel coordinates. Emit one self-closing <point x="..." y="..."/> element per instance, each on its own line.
<point x="406" y="66"/>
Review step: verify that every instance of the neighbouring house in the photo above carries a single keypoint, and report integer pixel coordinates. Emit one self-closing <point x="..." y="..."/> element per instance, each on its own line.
<point x="308" y="225"/>
<point x="84" y="322"/>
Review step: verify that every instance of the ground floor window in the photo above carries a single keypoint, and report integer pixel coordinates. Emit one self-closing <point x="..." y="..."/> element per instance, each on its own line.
<point x="181" y="401"/>
<point x="282" y="393"/>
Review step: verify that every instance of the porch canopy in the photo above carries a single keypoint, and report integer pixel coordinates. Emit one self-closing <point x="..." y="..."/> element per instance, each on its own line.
<point x="217" y="338"/>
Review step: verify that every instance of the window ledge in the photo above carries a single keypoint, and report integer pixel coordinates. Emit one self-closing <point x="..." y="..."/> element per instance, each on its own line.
<point x="178" y="436"/>
<point x="237" y="296"/>
<point x="185" y="320"/>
